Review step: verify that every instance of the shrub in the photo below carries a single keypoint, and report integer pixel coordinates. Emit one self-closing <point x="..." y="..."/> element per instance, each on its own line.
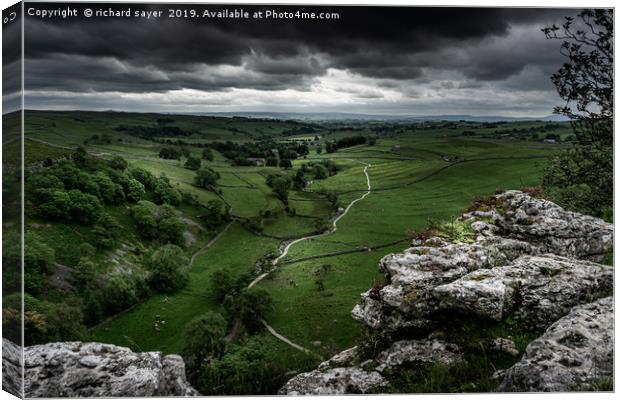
<point x="85" y="208"/>
<point x="135" y="190"/>
<point x="118" y="163"/>
<point x="206" y="178"/>
<point x="167" y="267"/>
<point x="207" y="154"/>
<point x="204" y="338"/>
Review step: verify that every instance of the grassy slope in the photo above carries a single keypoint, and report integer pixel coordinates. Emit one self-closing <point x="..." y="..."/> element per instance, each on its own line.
<point x="407" y="195"/>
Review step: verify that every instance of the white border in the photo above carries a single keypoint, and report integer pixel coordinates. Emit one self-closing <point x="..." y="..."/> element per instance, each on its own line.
<point x="479" y="3"/>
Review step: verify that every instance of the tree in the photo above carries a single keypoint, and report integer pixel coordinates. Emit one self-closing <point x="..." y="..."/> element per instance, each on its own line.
<point x="206" y="178"/>
<point x="109" y="192"/>
<point x="215" y="213"/>
<point x="85" y="208"/>
<point x="204" y="339"/>
<point x="207" y="154"/>
<point x="135" y="190"/>
<point x="286" y="163"/>
<point x="222" y="283"/>
<point x="581" y="178"/>
<point x="143" y="215"/>
<point x="144" y="177"/>
<point x="163" y="192"/>
<point x="585" y="81"/>
<point x="167" y="267"/>
<point x="193" y="163"/>
<point x="171" y="230"/>
<point x="271" y="162"/>
<point x="250" y="306"/>
<point x="58" y="206"/>
<point x="118" y="163"/>
<point x="280" y="187"/>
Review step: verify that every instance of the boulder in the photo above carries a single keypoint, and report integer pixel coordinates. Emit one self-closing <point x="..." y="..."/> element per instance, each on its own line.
<point x="77" y="369"/>
<point x="513" y="225"/>
<point x="417" y="352"/>
<point x="574" y="352"/>
<point x="536" y="290"/>
<point x="334" y="381"/>
<point x="11" y="368"/>
<point x="552" y="229"/>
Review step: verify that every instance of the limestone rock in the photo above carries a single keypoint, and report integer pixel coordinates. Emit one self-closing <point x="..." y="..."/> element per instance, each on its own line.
<point x="334" y="381"/>
<point x="506" y="345"/>
<point x="514" y="226"/>
<point x="344" y="358"/>
<point x="425" y="351"/>
<point x="11" y="368"/>
<point x="553" y="229"/>
<point x="574" y="352"/>
<point x="76" y="369"/>
<point x="534" y="289"/>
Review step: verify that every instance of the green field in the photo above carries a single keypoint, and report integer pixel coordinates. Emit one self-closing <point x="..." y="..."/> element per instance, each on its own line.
<point x="417" y="173"/>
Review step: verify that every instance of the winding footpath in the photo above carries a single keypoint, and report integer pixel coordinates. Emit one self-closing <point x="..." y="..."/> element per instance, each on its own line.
<point x="284" y="252"/>
<point x="206" y="246"/>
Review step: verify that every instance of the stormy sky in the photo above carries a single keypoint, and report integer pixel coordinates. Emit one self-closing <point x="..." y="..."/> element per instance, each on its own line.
<point x="400" y="61"/>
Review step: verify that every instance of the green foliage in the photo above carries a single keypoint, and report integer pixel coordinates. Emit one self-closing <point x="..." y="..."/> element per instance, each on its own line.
<point x="193" y="163"/>
<point x="244" y="369"/>
<point x="215" y="213"/>
<point x="206" y="178"/>
<point x="207" y="154"/>
<point x="118" y="163"/>
<point x="144" y="177"/>
<point x="39" y="261"/>
<point x="119" y="293"/>
<point x="110" y="192"/>
<point x="204" y="340"/>
<point x="85" y="272"/>
<point x="280" y="185"/>
<point x="286" y="163"/>
<point x="46" y="322"/>
<point x="581" y="179"/>
<point x="158" y="222"/>
<point x="163" y="192"/>
<point x="170" y="153"/>
<point x="250" y="306"/>
<point x="135" y="190"/>
<point x="168" y="269"/>
<point x="143" y="215"/>
<point x="222" y="284"/>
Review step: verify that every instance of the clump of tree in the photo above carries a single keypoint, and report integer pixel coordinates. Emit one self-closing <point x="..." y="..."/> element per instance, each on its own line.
<point x="215" y="213"/>
<point x="167" y="268"/>
<point x="206" y="178"/>
<point x="204" y="341"/>
<point x="280" y="184"/>
<point x="207" y="154"/>
<point x="170" y="153"/>
<point x="581" y="178"/>
<point x="158" y="222"/>
<point x="193" y="163"/>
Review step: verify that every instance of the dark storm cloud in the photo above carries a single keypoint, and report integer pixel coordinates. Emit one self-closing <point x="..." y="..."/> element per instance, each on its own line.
<point x="389" y="43"/>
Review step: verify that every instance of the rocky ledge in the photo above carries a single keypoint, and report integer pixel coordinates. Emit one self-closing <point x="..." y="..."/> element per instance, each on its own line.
<point x="76" y="369"/>
<point x="511" y="256"/>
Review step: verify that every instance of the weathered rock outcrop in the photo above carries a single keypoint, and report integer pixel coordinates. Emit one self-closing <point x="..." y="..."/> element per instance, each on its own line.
<point x="511" y="256"/>
<point x="76" y="369"/>
<point x="334" y="381"/>
<point x="573" y="353"/>
<point x="533" y="289"/>
<point x="417" y="352"/>
<point x="510" y="225"/>
<point x="11" y="368"/>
